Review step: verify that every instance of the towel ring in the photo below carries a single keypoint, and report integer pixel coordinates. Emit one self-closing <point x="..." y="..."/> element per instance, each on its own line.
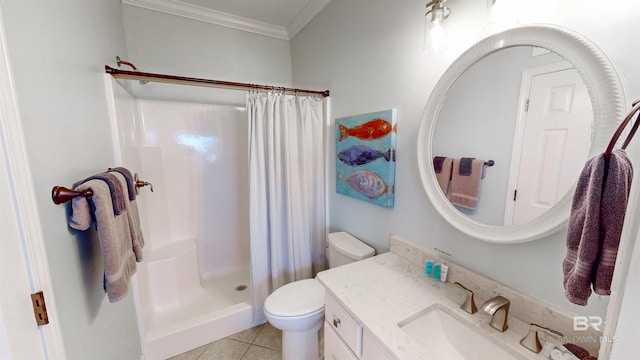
<point x="620" y="129"/>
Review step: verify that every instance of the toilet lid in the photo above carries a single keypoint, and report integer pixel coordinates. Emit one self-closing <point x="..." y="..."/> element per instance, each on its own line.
<point x="349" y="246"/>
<point x="296" y="298"/>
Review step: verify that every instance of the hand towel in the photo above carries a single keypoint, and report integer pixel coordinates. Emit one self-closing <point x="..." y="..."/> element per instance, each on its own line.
<point x="115" y="188"/>
<point x="131" y="207"/>
<point x="615" y="195"/>
<point x="442" y="166"/>
<point x="465" y="166"/>
<point x="437" y="163"/>
<point x="465" y="188"/>
<point x="114" y="233"/>
<point x="577" y="350"/>
<point x="595" y="224"/>
<point x="131" y="185"/>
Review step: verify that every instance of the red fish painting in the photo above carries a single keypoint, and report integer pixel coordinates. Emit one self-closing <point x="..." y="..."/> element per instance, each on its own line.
<point x="370" y="130"/>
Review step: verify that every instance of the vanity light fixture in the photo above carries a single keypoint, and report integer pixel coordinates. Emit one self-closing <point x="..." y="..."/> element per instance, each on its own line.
<point x="438" y="11"/>
<point x="434" y="36"/>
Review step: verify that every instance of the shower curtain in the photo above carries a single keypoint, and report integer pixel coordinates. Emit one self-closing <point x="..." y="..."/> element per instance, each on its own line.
<point x="287" y="191"/>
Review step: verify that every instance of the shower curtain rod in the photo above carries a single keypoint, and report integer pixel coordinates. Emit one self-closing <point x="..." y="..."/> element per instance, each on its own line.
<point x="182" y="80"/>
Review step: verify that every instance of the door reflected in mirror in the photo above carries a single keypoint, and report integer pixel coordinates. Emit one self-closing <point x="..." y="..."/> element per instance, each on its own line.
<point x="529" y="110"/>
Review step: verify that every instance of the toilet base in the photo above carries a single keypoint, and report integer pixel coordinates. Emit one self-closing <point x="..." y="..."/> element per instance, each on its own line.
<point x="301" y="345"/>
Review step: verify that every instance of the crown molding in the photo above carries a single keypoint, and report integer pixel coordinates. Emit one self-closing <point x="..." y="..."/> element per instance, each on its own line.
<point x="312" y="9"/>
<point x="181" y="8"/>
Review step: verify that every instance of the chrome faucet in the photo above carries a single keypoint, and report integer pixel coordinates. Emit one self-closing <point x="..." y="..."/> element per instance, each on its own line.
<point x="532" y="341"/>
<point x="498" y="307"/>
<point x="468" y="305"/>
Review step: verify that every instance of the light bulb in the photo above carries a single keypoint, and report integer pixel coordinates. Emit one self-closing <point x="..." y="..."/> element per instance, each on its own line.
<point x="437" y="37"/>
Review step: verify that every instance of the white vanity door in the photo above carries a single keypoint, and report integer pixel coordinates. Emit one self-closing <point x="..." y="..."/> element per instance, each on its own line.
<point x="334" y="348"/>
<point x="371" y="350"/>
<point x="343" y="324"/>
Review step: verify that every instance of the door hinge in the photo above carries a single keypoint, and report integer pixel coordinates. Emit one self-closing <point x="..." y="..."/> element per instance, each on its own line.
<point x="526" y="105"/>
<point x="39" y="308"/>
<point x="515" y="194"/>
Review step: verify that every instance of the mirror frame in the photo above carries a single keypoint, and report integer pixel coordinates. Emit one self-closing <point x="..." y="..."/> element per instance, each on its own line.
<point x="607" y="101"/>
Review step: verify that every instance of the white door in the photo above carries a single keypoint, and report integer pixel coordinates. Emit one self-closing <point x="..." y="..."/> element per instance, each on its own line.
<point x="23" y="261"/>
<point x="554" y="143"/>
<point x="20" y="336"/>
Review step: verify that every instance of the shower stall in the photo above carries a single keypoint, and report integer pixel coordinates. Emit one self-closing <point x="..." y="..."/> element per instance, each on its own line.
<point x="193" y="286"/>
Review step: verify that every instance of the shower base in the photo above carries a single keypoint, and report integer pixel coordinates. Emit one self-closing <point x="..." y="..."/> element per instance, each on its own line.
<point x="179" y="314"/>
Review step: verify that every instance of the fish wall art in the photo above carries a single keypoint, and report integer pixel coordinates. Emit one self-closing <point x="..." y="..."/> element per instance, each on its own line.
<point x="366" y="155"/>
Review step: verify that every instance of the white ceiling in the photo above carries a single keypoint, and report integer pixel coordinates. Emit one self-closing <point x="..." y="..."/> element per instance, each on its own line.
<point x="277" y="18"/>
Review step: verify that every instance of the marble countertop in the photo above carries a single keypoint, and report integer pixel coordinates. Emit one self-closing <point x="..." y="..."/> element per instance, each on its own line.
<point x="381" y="291"/>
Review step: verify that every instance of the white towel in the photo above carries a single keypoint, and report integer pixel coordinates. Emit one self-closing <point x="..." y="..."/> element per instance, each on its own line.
<point x="465" y="188"/>
<point x="444" y="175"/>
<point x="114" y="233"/>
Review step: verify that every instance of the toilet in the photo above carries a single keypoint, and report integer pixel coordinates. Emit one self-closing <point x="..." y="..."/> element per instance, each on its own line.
<point x="297" y="308"/>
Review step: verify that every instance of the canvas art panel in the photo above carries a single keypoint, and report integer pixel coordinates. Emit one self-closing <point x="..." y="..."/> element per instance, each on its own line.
<point x="365" y="157"/>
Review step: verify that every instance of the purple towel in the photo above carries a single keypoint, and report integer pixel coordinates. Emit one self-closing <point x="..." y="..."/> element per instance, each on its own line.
<point x="437" y="163"/>
<point x="595" y="225"/>
<point x="117" y="192"/>
<point x="131" y="186"/>
<point x="466" y="166"/>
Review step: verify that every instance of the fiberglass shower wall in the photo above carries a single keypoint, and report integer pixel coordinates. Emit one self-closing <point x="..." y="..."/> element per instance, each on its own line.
<point x="195" y="155"/>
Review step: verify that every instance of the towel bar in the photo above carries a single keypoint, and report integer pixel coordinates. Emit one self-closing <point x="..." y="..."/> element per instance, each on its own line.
<point x="61" y="194"/>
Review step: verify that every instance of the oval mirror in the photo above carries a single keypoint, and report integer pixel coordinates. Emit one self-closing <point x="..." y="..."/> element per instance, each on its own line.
<point x="536" y="102"/>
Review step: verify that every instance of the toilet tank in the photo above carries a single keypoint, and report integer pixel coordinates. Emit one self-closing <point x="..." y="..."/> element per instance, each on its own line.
<point x="345" y="249"/>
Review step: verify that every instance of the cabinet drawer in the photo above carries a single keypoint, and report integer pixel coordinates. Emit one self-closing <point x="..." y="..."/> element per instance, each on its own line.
<point x="344" y="325"/>
<point x="334" y="348"/>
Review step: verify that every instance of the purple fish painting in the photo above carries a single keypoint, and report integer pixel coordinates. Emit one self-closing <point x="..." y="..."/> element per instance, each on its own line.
<point x="360" y="155"/>
<point x="367" y="183"/>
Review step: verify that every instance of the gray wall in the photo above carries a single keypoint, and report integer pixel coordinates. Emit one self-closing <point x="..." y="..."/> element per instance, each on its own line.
<point x="369" y="54"/>
<point x="57" y="51"/>
<point x="169" y="44"/>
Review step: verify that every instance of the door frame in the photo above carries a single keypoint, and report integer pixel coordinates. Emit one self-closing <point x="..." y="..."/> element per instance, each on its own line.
<point x="25" y="205"/>
<point x="518" y="133"/>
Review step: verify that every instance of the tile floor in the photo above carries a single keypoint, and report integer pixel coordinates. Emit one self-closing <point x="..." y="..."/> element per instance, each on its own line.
<point x="263" y="342"/>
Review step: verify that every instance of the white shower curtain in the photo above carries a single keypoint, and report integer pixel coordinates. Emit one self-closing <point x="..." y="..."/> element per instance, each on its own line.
<point x="287" y="191"/>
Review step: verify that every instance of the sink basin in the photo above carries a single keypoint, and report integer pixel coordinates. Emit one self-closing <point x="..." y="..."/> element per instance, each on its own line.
<point x="445" y="336"/>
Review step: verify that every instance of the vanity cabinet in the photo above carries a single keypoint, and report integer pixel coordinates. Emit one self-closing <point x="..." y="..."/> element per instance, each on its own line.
<point x="344" y="338"/>
<point x="334" y="347"/>
<point x="371" y="350"/>
<point x="341" y="325"/>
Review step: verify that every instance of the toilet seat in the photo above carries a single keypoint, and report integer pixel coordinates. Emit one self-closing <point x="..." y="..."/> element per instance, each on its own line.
<point x="275" y="317"/>
<point x="303" y="298"/>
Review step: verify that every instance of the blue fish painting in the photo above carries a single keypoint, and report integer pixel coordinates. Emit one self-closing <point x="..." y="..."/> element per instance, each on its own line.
<point x="360" y="155"/>
<point x="367" y="183"/>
